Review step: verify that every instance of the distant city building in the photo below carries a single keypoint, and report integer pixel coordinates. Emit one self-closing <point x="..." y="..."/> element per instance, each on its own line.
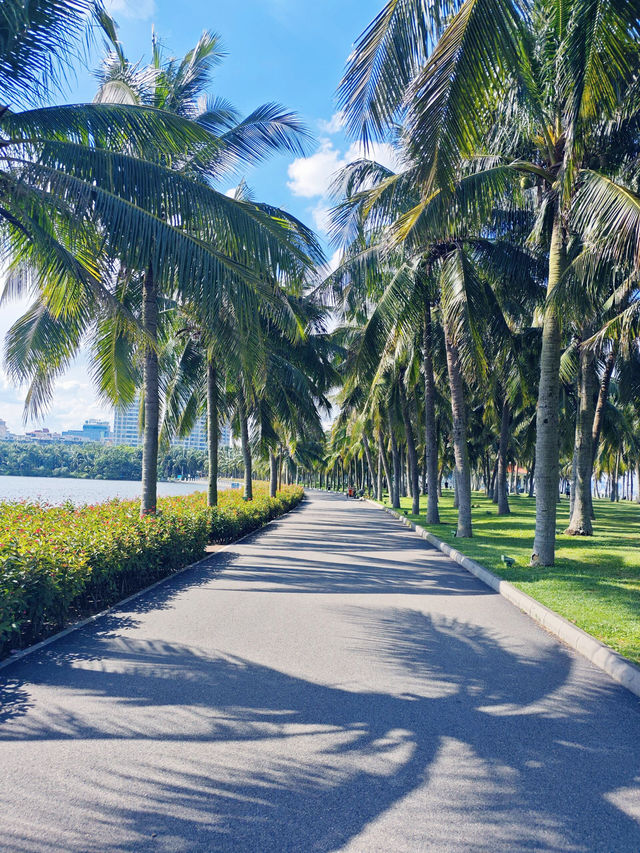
<point x="126" y="430"/>
<point x="225" y="435"/>
<point x="92" y="430"/>
<point x="197" y="438"/>
<point x="125" y="425"/>
<point x="4" y="431"/>
<point x="41" y="435"/>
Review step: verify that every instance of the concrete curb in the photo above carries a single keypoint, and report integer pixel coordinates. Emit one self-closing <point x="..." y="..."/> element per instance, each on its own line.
<point x="23" y="653"/>
<point x="605" y="658"/>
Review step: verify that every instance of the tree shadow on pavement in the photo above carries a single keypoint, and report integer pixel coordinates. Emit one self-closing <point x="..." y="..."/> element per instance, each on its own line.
<point x="241" y="757"/>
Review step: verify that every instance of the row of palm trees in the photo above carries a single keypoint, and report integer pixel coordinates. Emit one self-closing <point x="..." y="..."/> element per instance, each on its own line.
<point x="132" y="250"/>
<point x="496" y="268"/>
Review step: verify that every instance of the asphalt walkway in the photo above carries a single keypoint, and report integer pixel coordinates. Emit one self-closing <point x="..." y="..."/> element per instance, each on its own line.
<point x="330" y="684"/>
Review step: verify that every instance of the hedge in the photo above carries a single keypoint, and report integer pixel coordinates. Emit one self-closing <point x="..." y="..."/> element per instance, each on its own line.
<point x="60" y="563"/>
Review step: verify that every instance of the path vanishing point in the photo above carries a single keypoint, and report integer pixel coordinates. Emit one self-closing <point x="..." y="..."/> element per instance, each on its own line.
<point x="331" y="683"/>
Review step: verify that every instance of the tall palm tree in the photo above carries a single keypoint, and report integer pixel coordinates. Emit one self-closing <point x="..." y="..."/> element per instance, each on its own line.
<point x="180" y="87"/>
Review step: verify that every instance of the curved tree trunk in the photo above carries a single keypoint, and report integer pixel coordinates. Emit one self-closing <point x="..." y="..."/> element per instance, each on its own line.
<point x="463" y="474"/>
<point x="430" y="437"/>
<point x="397" y="468"/>
<point x="385" y="465"/>
<point x="603" y="393"/>
<point x="151" y="396"/>
<point x="246" y="449"/>
<point x="379" y="479"/>
<point x="407" y="473"/>
<point x="273" y="474"/>
<point x="615" y="495"/>
<point x="212" y="432"/>
<point x="412" y="455"/>
<point x="532" y="476"/>
<point x="402" y="470"/>
<point x="580" y="520"/>
<point x="367" y="453"/>
<point x="486" y="473"/>
<point x="574" y="468"/>
<point x="493" y="493"/>
<point x="501" y="483"/>
<point x="547" y="447"/>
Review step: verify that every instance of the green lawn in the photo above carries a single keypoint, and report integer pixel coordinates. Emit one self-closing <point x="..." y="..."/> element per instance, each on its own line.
<point x="596" y="580"/>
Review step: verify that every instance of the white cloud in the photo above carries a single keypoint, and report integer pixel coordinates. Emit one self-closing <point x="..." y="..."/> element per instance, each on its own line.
<point x="321" y="217"/>
<point x="334" y="125"/>
<point x="381" y="152"/>
<point x="74" y="399"/>
<point x="335" y="260"/>
<point x="139" y="9"/>
<point x="311" y="177"/>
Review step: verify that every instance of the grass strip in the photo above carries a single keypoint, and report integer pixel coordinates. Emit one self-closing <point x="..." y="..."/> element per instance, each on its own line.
<point x="595" y="582"/>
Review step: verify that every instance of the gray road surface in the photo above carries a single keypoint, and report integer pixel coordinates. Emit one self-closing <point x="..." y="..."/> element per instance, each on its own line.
<point x="331" y="684"/>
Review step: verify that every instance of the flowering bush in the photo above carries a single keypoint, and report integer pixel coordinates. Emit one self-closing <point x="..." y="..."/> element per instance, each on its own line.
<point x="60" y="562"/>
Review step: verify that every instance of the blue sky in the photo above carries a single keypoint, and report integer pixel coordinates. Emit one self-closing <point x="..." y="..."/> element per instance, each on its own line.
<point x="289" y="51"/>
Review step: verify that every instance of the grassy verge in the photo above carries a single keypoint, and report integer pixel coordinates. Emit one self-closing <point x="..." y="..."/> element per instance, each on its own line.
<point x="60" y="563"/>
<point x="596" y="580"/>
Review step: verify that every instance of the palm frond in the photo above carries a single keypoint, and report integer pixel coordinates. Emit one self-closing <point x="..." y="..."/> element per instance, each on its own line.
<point x="385" y="59"/>
<point x="39" y="43"/>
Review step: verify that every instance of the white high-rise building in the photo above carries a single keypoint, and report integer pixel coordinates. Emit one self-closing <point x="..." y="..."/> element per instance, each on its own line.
<point x="126" y="430"/>
<point x="126" y="425"/>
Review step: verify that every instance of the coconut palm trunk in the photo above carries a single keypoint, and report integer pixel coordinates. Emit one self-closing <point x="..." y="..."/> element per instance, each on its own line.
<point x="379" y="479"/>
<point x="212" y="432"/>
<point x="505" y="423"/>
<point x="397" y="468"/>
<point x="273" y="473"/>
<point x="615" y="496"/>
<point x="603" y="393"/>
<point x="367" y="453"/>
<point x="547" y="446"/>
<point x="580" y="521"/>
<point x="246" y="449"/>
<point x="412" y="454"/>
<point x="532" y="477"/>
<point x="430" y="436"/>
<point x="385" y="465"/>
<point x="151" y="396"/>
<point x="462" y="474"/>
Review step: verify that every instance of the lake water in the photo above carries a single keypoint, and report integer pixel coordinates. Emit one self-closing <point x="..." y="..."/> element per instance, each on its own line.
<point x="55" y="490"/>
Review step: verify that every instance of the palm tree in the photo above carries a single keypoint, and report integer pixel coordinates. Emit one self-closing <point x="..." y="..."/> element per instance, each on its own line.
<point x="233" y="245"/>
<point x="179" y="87"/>
<point x="535" y="87"/>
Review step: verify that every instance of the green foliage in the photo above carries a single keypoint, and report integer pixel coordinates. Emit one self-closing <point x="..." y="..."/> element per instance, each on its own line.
<point x="58" y="563"/>
<point x="95" y="461"/>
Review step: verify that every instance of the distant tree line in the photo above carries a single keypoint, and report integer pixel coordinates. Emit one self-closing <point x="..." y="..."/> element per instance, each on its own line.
<point x="100" y="462"/>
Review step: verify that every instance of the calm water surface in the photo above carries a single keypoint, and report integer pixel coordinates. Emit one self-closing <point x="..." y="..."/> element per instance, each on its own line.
<point x="55" y="490"/>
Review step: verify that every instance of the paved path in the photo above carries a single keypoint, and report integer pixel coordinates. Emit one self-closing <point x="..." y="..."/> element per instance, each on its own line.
<point x="338" y="686"/>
